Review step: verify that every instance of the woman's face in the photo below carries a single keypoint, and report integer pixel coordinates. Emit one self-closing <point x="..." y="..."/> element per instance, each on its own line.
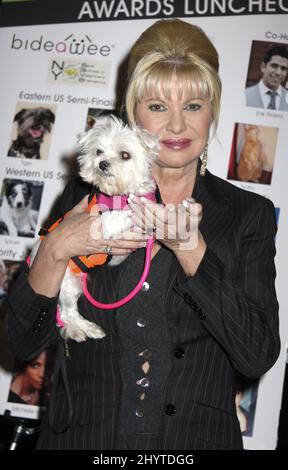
<point x="36" y="371"/>
<point x="181" y="123"/>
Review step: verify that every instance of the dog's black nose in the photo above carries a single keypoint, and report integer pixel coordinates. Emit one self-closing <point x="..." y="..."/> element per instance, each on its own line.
<point x="104" y="165"/>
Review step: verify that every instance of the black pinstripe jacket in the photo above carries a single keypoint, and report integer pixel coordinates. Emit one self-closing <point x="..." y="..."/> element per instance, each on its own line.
<point x="223" y="320"/>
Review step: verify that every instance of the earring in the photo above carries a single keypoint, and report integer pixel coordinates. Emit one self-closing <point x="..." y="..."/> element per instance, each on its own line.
<point x="204" y="161"/>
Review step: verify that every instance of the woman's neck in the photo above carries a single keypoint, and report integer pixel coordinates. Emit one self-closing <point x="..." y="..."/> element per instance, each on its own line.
<point x="175" y="184"/>
<point x="20" y="385"/>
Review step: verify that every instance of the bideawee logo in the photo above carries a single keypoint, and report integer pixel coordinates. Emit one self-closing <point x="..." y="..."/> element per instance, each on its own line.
<point x="70" y="45"/>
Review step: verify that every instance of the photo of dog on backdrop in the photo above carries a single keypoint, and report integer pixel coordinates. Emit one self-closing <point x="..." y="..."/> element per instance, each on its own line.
<point x="117" y="160"/>
<point x="252" y="158"/>
<point x="32" y="125"/>
<point x="17" y="216"/>
<point x="252" y="154"/>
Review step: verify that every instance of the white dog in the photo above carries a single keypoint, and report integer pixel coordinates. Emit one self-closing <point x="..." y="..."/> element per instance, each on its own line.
<point x="16" y="210"/>
<point x="116" y="159"/>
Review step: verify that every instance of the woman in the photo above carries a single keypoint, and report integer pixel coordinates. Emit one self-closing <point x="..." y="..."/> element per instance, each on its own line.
<point x="164" y="377"/>
<point x="28" y="382"/>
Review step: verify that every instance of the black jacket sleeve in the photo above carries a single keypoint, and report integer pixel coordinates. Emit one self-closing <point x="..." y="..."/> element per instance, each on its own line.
<point x="238" y="306"/>
<point x="31" y="317"/>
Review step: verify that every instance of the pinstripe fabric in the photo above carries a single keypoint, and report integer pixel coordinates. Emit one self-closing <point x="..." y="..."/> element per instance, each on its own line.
<point x="224" y="319"/>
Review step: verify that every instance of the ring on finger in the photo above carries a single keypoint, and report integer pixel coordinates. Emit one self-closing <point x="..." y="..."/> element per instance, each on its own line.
<point x="108" y="250"/>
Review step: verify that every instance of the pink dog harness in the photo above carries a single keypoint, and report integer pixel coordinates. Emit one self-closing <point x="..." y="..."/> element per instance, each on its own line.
<point x="120" y="202"/>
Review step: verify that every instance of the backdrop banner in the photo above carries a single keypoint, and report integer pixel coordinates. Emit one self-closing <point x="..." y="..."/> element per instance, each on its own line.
<point x="63" y="64"/>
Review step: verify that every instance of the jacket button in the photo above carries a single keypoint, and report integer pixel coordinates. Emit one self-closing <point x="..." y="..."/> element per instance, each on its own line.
<point x="139" y="412"/>
<point x="145" y="287"/>
<point x="170" y="409"/>
<point x="202" y="315"/>
<point x="179" y="353"/>
<point x="36" y="327"/>
<point x="144" y="382"/>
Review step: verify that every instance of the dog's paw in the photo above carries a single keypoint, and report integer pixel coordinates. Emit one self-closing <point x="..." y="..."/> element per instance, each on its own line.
<point x="26" y="231"/>
<point x="81" y="333"/>
<point x="69" y="332"/>
<point x="93" y="331"/>
<point x="3" y="228"/>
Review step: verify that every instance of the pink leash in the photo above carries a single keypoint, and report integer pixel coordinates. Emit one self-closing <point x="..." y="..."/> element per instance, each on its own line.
<point x="134" y="291"/>
<point x="121" y="302"/>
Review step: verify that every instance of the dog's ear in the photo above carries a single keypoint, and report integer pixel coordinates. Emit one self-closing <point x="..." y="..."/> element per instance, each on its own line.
<point x="82" y="141"/>
<point x="19" y="115"/>
<point x="101" y="124"/>
<point x="105" y="121"/>
<point x="49" y="115"/>
<point x="28" y="185"/>
<point x="5" y="185"/>
<point x="8" y="185"/>
<point x="148" y="140"/>
<point x="82" y="137"/>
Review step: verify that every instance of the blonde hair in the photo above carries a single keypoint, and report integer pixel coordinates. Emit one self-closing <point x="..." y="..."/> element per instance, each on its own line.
<point x="173" y="47"/>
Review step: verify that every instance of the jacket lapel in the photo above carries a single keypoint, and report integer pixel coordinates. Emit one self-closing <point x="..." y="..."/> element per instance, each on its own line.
<point x="217" y="217"/>
<point x="283" y="102"/>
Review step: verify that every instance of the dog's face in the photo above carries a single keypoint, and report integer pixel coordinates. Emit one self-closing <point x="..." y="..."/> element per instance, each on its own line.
<point x="34" y="123"/>
<point x="116" y="158"/>
<point x="251" y="132"/>
<point x="18" y="194"/>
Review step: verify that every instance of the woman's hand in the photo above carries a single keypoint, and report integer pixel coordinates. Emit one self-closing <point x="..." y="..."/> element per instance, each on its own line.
<point x="80" y="234"/>
<point x="176" y="226"/>
<point x="82" y="206"/>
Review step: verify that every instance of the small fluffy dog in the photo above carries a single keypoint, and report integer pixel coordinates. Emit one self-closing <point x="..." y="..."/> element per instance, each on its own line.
<point x="16" y="210"/>
<point x="252" y="157"/>
<point x="32" y="124"/>
<point x="117" y="160"/>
